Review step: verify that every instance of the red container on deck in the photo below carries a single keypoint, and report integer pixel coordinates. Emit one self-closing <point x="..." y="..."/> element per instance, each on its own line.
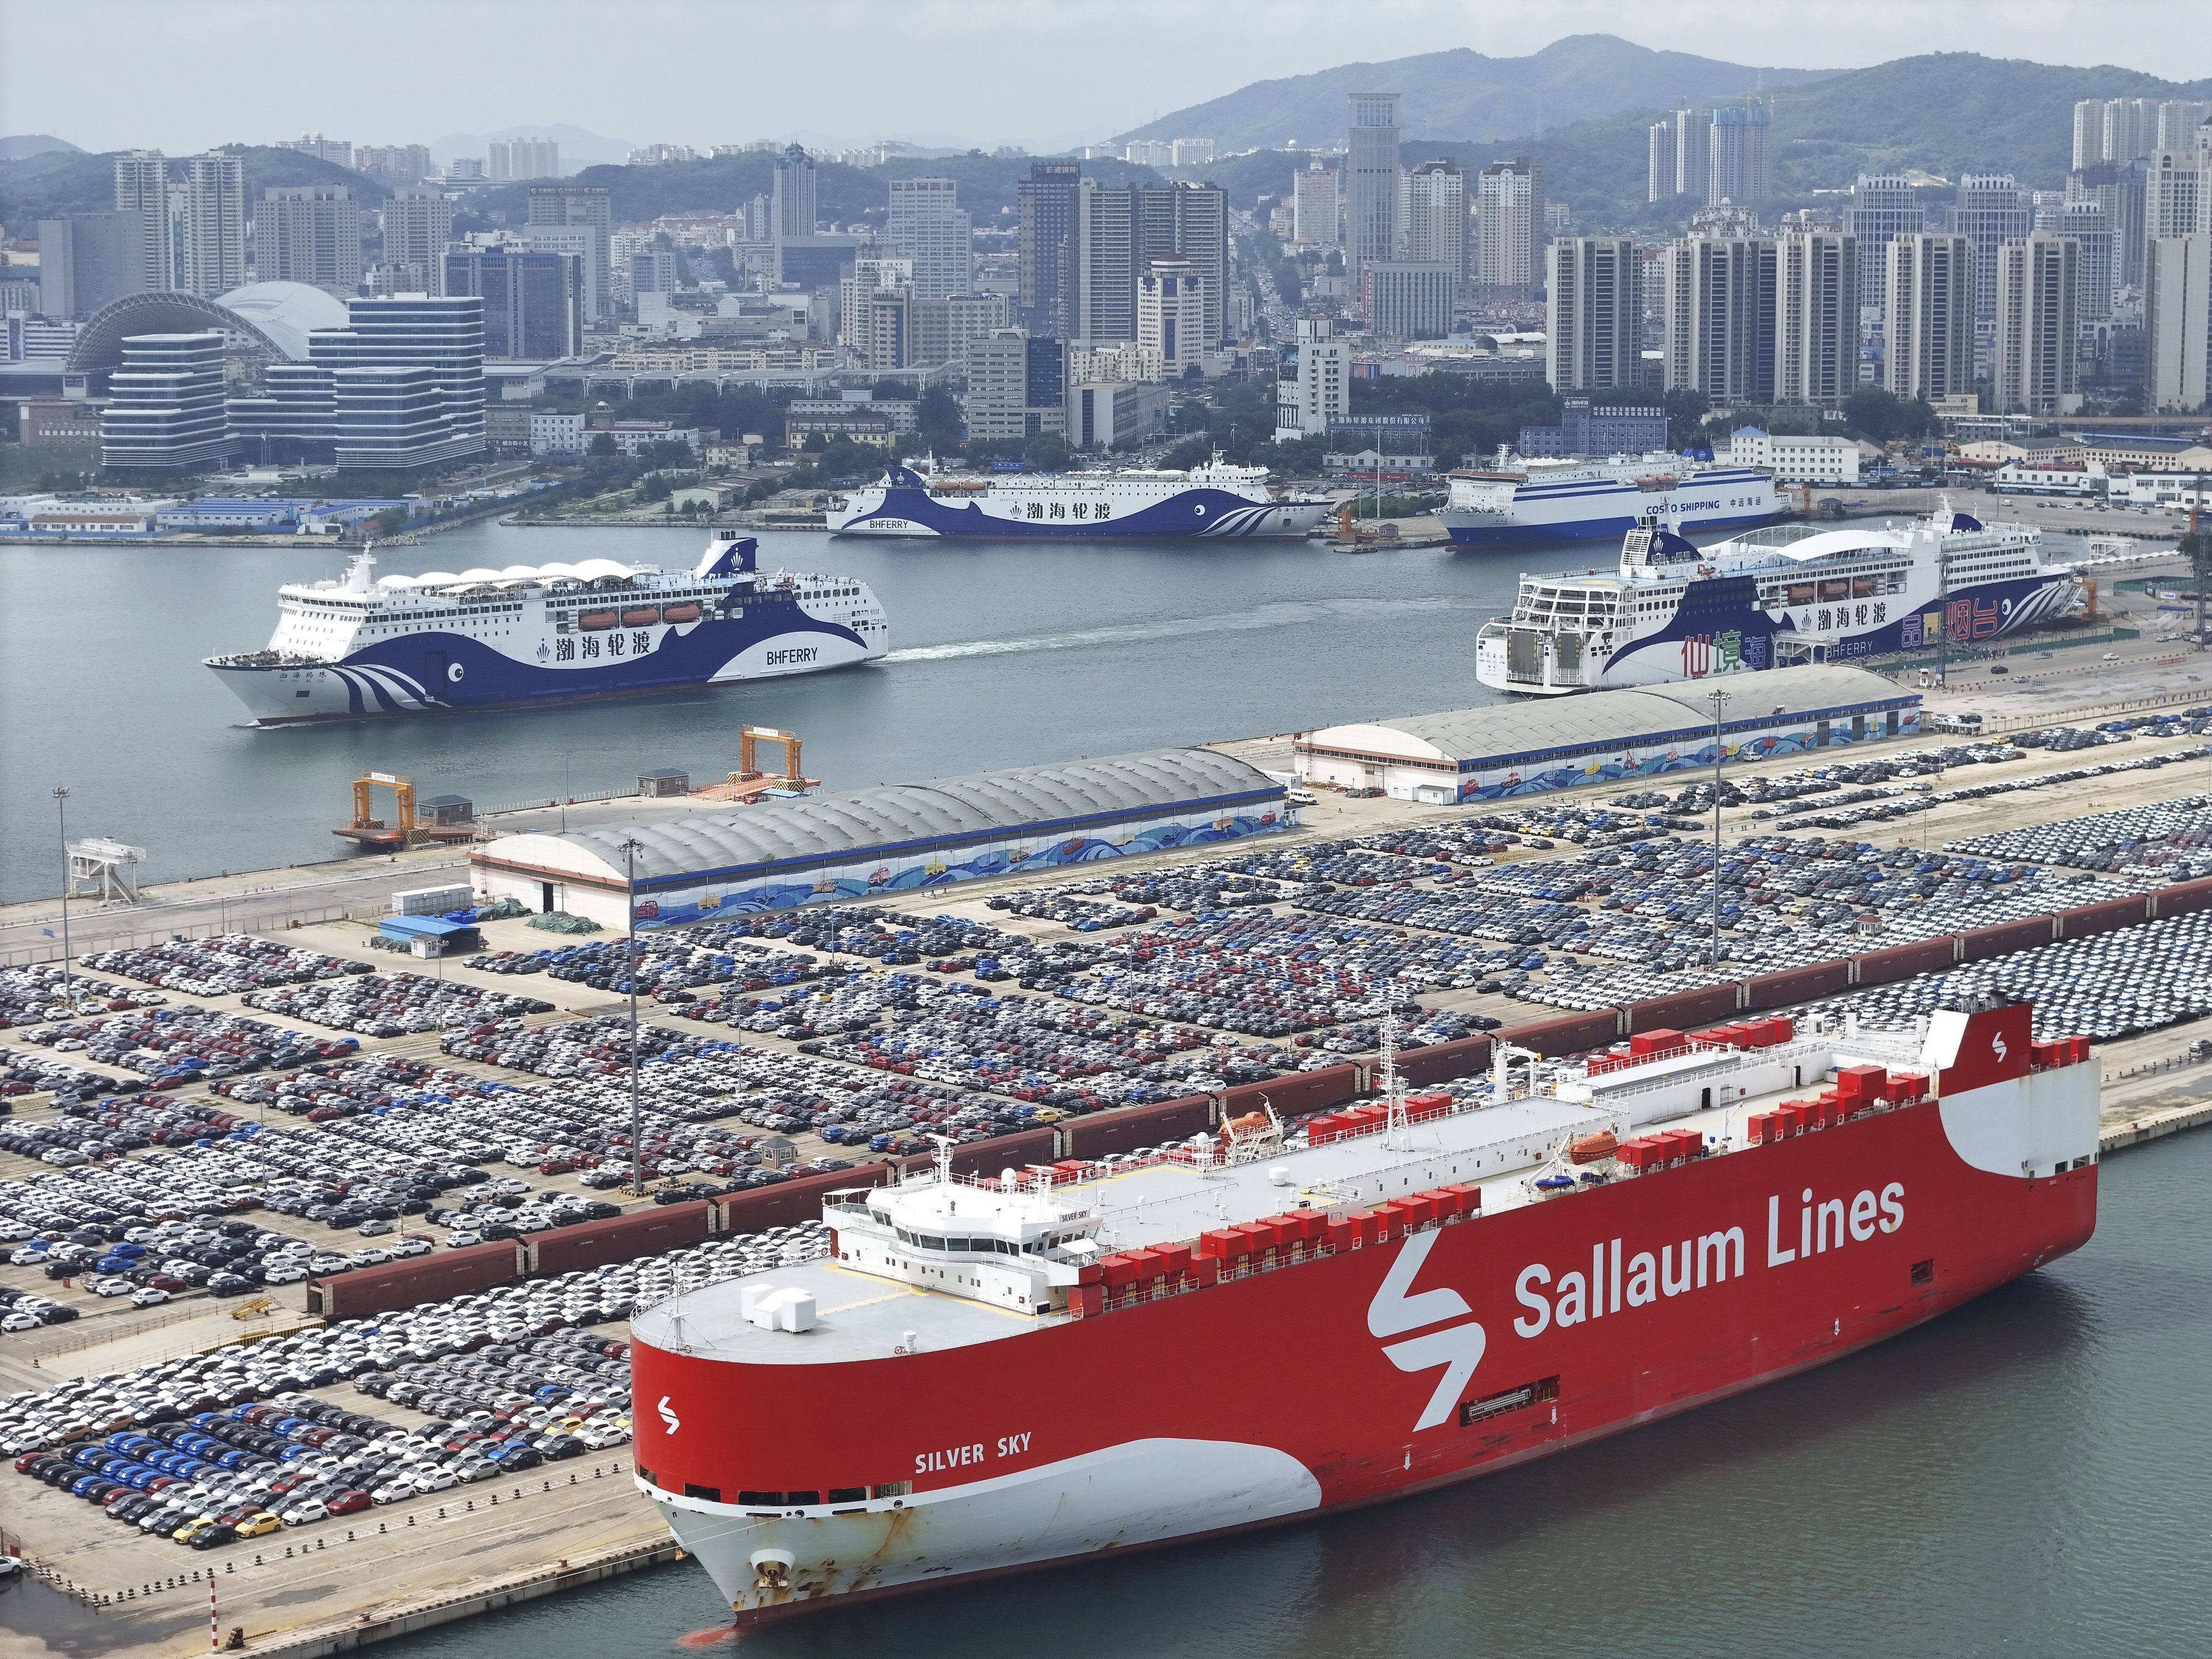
<point x="1086" y="1300"/>
<point x="1654" y="1040"/>
<point x="1418" y="1209"/>
<point x="1207" y="1270"/>
<point x="1147" y="1266"/>
<point x="1463" y="1199"/>
<point x="1223" y="1244"/>
<point x="1780" y="1028"/>
<point x="1343" y="1232"/>
<point x="1121" y="1272"/>
<point x="1860" y="1082"/>
<point x="1174" y="1260"/>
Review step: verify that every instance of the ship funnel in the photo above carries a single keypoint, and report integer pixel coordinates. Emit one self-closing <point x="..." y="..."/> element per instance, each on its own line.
<point x="728" y="555"/>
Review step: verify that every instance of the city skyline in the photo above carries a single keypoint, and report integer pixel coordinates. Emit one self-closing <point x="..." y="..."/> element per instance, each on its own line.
<point x="497" y="76"/>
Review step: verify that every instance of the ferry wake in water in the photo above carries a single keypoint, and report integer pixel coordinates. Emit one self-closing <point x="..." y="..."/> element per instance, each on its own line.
<point x="531" y="634"/>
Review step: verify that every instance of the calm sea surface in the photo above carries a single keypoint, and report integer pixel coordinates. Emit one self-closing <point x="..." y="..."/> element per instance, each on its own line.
<point x="2029" y="1476"/>
<point x="1003" y="654"/>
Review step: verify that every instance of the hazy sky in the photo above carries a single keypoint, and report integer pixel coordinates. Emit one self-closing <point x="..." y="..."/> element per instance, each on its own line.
<point x="181" y="75"/>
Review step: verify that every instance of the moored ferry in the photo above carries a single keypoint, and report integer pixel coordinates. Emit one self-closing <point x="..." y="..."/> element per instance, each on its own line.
<point x="367" y="645"/>
<point x="1217" y="501"/>
<point x="1566" y="501"/>
<point x="1771" y="598"/>
<point x="1266" y="1321"/>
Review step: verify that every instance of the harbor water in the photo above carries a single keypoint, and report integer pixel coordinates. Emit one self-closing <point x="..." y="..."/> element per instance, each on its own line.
<point x="2030" y="1476"/>
<point x="1003" y="654"/>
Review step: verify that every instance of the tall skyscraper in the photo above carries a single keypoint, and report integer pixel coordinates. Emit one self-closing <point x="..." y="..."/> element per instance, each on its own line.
<point x="2177" y="193"/>
<point x="1370" y="166"/>
<point x="1991" y="209"/>
<point x="213" y="233"/>
<point x="2083" y="222"/>
<point x="2180" y="120"/>
<point x="311" y="234"/>
<point x="1118" y="228"/>
<point x="141" y="187"/>
<point x="2038" y="323"/>
<point x="1693" y="152"/>
<point x="1722" y="327"/>
<point x="87" y="261"/>
<point x="2118" y="188"/>
<point x="1510" y="227"/>
<point x="1928" y="320"/>
<point x="927" y="225"/>
<point x="1316" y="206"/>
<point x="533" y="299"/>
<point x="1594" y="307"/>
<point x="1321" y="391"/>
<point x="1817" y="335"/>
<point x="2130" y="128"/>
<point x="1659" y="161"/>
<point x="407" y="380"/>
<point x="2088" y="132"/>
<point x="1883" y="206"/>
<point x="1171" y="313"/>
<point x="580" y="207"/>
<point x="418" y="222"/>
<point x="2178" y="321"/>
<point x="165" y="407"/>
<point x="1435" y="216"/>
<point x="1741" y="167"/>
<point x="1407" y="299"/>
<point x="791" y="199"/>
<point x="522" y="158"/>
<point x="1048" y="294"/>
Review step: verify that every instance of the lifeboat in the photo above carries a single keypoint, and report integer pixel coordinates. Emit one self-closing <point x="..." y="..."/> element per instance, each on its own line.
<point x="640" y="616"/>
<point x="598" y="621"/>
<point x="679" y="613"/>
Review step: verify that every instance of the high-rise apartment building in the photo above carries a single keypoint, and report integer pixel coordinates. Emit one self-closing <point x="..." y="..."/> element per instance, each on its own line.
<point x="1741" y="167"/>
<point x="578" y="207"/>
<point x="2039" y="282"/>
<point x="1049" y="287"/>
<point x="1693" y="152"/>
<point x="2178" y="321"/>
<point x="395" y="164"/>
<point x="1928" y="316"/>
<point x="1118" y="228"/>
<point x="87" y="261"/>
<point x="2180" y="121"/>
<point x="1659" y="173"/>
<point x="1433" y="209"/>
<point x="1509" y="225"/>
<point x="1407" y="299"/>
<point x="1017" y="387"/>
<point x="1883" y="206"/>
<point x="1722" y="327"/>
<point x="210" y="236"/>
<point x="2118" y="188"/>
<point x="337" y="151"/>
<point x="1594" y="313"/>
<point x="1371" y="169"/>
<point x="1316" y="206"/>
<point x="165" y="407"/>
<point x="865" y="278"/>
<point x="2178" y="192"/>
<point x="792" y="197"/>
<point x="308" y="233"/>
<point x="418" y="222"/>
<point x="522" y="158"/>
<point x="1321" y="390"/>
<point x="141" y="187"/>
<point x="927" y="225"/>
<point x="944" y="327"/>
<point x="2130" y="128"/>
<point x="2083" y="223"/>
<point x="1817" y="327"/>
<point x="533" y="299"/>
<point x="1991" y="209"/>
<point x="2088" y="132"/>
<point x="1171" y="313"/>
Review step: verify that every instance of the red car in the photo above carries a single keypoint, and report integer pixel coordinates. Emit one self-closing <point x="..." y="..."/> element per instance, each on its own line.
<point x="347" y="1502"/>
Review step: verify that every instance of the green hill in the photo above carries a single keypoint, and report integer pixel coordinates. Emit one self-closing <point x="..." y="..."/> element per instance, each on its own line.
<point x="1464" y="94"/>
<point x="59" y="183"/>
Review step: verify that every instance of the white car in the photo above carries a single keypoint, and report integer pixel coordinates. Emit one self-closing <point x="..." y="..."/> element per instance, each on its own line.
<point x="437" y="1480"/>
<point x="285" y="1275"/>
<point x="111" y="1287"/>
<point x="151" y="1295"/>
<point x="301" y="1515"/>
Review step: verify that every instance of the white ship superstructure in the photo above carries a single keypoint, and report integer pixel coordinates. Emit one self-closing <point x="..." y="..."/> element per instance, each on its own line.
<point x="1537" y="500"/>
<point x="1771" y="598"/>
<point x="1215" y="502"/>
<point x="396" y="644"/>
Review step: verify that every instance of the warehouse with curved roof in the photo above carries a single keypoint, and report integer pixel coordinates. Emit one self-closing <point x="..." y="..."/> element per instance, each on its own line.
<point x="1530" y="746"/>
<point x="862" y="843"/>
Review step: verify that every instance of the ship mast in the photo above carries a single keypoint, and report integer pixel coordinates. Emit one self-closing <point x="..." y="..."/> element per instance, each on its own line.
<point x="1395" y="1134"/>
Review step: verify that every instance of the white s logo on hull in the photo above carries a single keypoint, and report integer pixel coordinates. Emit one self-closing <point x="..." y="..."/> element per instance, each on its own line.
<point x="666" y="1415"/>
<point x="1394" y="1312"/>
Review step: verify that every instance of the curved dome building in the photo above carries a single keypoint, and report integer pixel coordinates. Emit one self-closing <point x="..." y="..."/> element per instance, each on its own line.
<point x="262" y="323"/>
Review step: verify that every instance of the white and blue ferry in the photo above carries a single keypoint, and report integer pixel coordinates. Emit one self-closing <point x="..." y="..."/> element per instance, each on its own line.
<point x="1771" y="598"/>
<point x="1567" y="501"/>
<point x="1216" y="502"/>
<point x="480" y="639"/>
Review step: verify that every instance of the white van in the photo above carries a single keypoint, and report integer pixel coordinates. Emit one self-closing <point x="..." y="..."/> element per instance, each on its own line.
<point x="1302" y="798"/>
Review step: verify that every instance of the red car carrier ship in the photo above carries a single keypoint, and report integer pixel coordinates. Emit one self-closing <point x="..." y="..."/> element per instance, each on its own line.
<point x="988" y="1374"/>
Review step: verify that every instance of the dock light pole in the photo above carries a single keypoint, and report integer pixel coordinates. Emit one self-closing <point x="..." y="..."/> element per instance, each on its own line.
<point x="61" y="816"/>
<point x="630" y="850"/>
<point x="1720" y="702"/>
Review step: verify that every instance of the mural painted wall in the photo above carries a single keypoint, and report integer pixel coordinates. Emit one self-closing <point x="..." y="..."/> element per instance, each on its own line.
<point x="1631" y="763"/>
